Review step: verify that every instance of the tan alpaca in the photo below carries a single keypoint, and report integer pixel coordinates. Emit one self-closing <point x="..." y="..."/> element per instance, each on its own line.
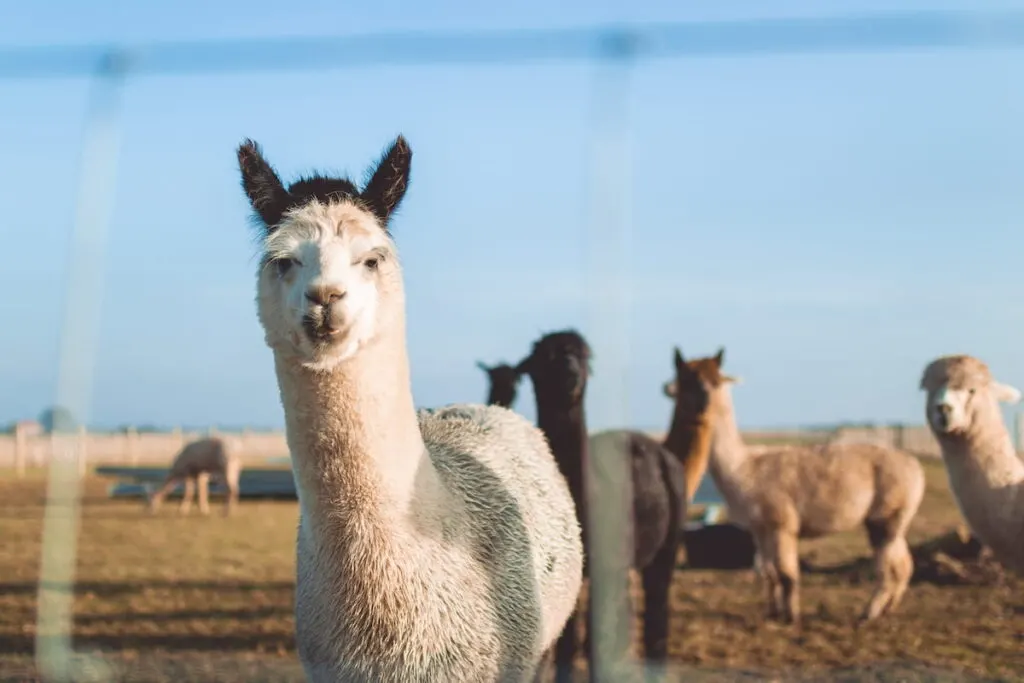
<point x="786" y="494"/>
<point x="985" y="474"/>
<point x="432" y="545"/>
<point x="195" y="465"/>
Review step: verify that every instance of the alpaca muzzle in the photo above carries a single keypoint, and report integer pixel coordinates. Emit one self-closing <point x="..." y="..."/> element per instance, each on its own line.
<point x="322" y="324"/>
<point x="942" y="414"/>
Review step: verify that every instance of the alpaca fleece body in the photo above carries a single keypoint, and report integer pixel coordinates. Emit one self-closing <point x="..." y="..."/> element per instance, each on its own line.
<point x="433" y="545"/>
<point x="783" y="495"/>
<point x="985" y="473"/>
<point x="463" y="603"/>
<point x="198" y="462"/>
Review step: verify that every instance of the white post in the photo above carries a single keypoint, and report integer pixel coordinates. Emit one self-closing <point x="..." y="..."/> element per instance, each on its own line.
<point x="82" y="450"/>
<point x="179" y="440"/>
<point x="1018" y="432"/>
<point x="20" y="449"/>
<point x="131" y="444"/>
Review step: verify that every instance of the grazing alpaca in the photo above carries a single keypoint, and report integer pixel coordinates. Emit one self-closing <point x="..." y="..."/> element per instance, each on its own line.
<point x="558" y="366"/>
<point x="215" y="457"/>
<point x="435" y="545"/>
<point x="783" y="495"/>
<point x="985" y="474"/>
<point x="504" y="381"/>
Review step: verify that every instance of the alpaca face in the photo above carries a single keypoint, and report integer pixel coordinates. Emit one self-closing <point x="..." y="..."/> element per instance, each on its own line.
<point x="559" y="366"/>
<point x="504" y="381"/>
<point x="958" y="387"/>
<point x="327" y="272"/>
<point x="696" y="384"/>
<point x="329" y="280"/>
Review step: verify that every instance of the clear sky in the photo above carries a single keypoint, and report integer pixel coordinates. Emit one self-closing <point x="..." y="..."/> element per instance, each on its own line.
<point x="835" y="221"/>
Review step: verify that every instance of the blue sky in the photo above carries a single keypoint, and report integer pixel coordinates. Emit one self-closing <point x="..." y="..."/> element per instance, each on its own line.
<point x="835" y="221"/>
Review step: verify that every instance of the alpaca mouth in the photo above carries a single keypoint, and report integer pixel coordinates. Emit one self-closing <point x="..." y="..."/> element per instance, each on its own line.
<point x="941" y="423"/>
<point x="321" y="332"/>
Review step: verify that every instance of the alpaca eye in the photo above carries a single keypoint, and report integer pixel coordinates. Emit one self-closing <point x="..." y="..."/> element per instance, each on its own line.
<point x="283" y="265"/>
<point x="372" y="263"/>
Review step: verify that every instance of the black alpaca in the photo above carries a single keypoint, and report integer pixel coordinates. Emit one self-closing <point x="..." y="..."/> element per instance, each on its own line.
<point x="559" y="366"/>
<point x="504" y="381"/>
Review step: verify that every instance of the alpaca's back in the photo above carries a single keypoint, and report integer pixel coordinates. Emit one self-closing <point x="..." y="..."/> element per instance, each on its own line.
<point x="836" y="487"/>
<point x="658" y="486"/>
<point x="213" y="455"/>
<point x="520" y="515"/>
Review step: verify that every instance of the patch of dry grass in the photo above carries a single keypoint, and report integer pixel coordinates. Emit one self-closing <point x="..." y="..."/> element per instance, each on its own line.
<point x="167" y="598"/>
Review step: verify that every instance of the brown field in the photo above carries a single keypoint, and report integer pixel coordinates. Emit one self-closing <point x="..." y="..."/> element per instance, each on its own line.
<point x="190" y="599"/>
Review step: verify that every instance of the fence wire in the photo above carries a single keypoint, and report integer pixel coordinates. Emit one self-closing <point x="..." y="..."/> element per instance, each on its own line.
<point x="854" y="33"/>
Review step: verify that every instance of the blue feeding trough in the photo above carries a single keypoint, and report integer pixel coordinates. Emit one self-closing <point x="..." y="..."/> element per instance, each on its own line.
<point x="137" y="482"/>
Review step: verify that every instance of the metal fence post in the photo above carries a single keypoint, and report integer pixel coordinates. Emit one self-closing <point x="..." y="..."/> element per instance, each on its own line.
<point x="97" y="183"/>
<point x="610" y="625"/>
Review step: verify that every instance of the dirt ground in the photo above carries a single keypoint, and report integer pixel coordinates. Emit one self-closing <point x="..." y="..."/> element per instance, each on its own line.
<point x="168" y="598"/>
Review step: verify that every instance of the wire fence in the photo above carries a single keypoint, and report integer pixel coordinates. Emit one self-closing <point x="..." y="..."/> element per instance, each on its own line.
<point x="615" y="50"/>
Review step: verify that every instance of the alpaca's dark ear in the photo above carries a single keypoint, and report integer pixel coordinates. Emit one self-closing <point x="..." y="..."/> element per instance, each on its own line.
<point x="720" y="356"/>
<point x="480" y="364"/>
<point x="389" y="180"/>
<point x="262" y="186"/>
<point x="679" y="358"/>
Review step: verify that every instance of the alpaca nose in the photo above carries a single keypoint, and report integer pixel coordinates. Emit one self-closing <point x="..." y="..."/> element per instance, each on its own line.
<point x="324" y="295"/>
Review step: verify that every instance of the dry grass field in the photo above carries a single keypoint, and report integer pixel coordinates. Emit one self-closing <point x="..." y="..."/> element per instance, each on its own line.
<point x="167" y="598"/>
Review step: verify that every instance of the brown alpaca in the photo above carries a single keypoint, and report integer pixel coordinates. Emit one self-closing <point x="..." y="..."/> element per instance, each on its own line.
<point x="504" y="381"/>
<point x="689" y="435"/>
<point x="195" y="465"/>
<point x="786" y="494"/>
<point x="559" y="366"/>
<point x="985" y="473"/>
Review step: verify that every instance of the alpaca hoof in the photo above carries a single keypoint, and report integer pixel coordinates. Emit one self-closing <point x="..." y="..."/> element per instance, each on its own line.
<point x="866" y="618"/>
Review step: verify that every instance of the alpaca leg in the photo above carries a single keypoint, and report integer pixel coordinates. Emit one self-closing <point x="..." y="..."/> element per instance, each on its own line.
<point x="231" y="501"/>
<point x="565" y="649"/>
<point x="158" y="496"/>
<point x="770" y="581"/>
<point x="186" y="496"/>
<point x="203" y="484"/>
<point x="657" y="580"/>
<point x="785" y="560"/>
<point x="903" y="570"/>
<point x="894" y="567"/>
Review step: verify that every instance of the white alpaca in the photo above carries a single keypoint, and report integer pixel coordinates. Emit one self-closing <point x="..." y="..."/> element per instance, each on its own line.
<point x="985" y="474"/>
<point x="215" y="457"/>
<point x="785" y="494"/>
<point x="432" y="545"/>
